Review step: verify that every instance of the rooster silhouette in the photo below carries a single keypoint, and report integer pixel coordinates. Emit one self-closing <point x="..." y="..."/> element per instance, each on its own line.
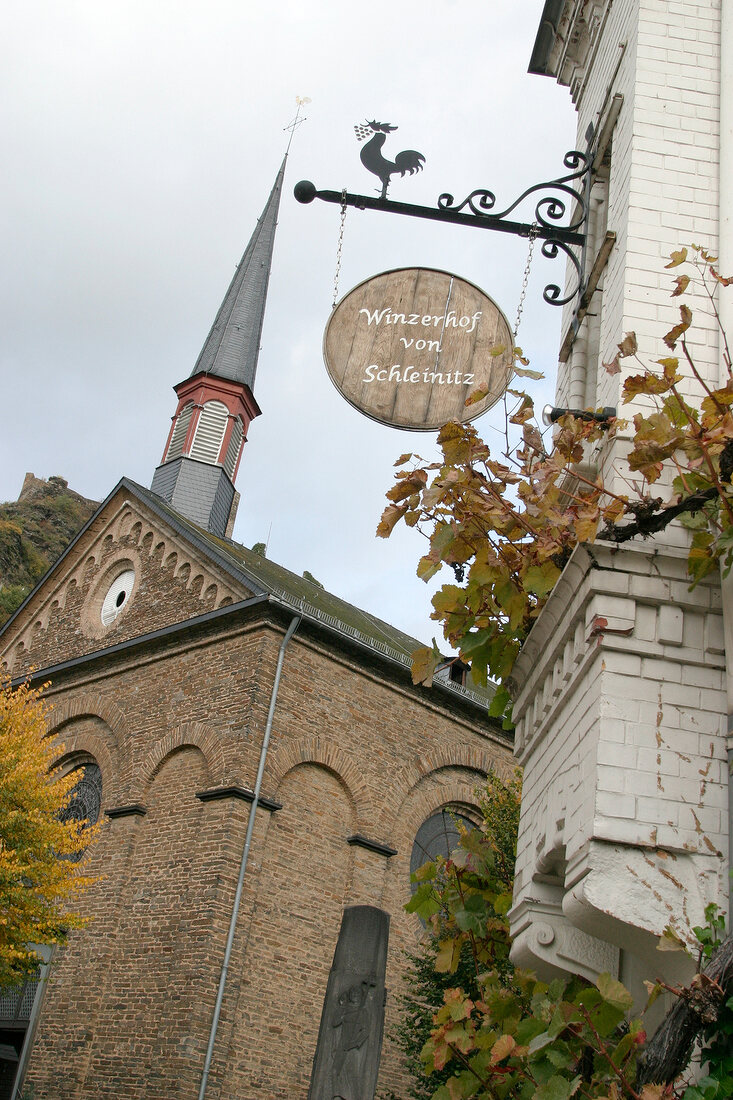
<point x="371" y="155"/>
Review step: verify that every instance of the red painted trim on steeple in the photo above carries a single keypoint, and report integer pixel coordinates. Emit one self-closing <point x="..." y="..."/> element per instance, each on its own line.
<point x="203" y="387"/>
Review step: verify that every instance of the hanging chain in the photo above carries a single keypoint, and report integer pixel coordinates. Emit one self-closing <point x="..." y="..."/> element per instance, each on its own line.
<point x="525" y="280"/>
<point x="338" y="249"/>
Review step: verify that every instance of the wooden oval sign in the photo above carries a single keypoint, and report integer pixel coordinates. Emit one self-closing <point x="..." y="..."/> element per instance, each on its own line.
<point x="408" y="347"/>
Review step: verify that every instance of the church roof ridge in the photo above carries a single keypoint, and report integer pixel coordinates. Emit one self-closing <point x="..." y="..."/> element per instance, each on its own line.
<point x="268" y="580"/>
<point x="316" y="603"/>
<point x="232" y="347"/>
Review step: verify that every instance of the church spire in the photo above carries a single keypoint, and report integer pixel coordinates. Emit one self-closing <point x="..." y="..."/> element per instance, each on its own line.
<point x="232" y="346"/>
<point x="216" y="402"/>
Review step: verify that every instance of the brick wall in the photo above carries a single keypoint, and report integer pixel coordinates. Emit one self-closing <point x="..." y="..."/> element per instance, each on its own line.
<point x="63" y="619"/>
<point x="355" y="749"/>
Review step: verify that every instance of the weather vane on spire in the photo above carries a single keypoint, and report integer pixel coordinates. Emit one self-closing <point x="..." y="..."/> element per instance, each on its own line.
<point x="301" y="100"/>
<point x="371" y="155"/>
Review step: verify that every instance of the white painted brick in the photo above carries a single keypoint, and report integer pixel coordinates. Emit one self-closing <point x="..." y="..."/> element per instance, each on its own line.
<point x="633" y="746"/>
<point x="705" y="819"/>
<point x="644" y="784"/>
<point x="613" y="779"/>
<point x="715" y="796"/>
<point x="713" y="700"/>
<point x="657" y="810"/>
<point x="658" y="761"/>
<point x="613" y="805"/>
<point x="670" y="625"/>
<point x="701" y="676"/>
<point x="673" y="693"/>
<point x="613" y="730"/>
<point x="683" y="741"/>
<point x="623" y="832"/>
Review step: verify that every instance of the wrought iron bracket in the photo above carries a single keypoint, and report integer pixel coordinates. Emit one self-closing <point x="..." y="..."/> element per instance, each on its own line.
<point x="477" y="210"/>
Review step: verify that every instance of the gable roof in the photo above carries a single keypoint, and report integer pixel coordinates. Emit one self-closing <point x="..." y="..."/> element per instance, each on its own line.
<point x="266" y="579"/>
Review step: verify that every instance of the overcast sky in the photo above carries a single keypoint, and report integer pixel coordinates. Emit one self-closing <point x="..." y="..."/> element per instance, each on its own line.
<point x="142" y="140"/>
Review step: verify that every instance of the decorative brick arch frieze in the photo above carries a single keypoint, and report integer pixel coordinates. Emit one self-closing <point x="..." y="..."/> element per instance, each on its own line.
<point x="425" y="799"/>
<point x="123" y="522"/>
<point x="187" y="735"/>
<point x="88" y="705"/>
<point x="75" y="738"/>
<point x="476" y="761"/>
<point x="120" y="538"/>
<point x="175" y="556"/>
<point x="321" y="752"/>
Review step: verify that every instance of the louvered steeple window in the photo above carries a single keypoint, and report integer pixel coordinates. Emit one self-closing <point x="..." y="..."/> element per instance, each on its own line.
<point x="210" y="430"/>
<point x="178" y="437"/>
<point x="235" y="446"/>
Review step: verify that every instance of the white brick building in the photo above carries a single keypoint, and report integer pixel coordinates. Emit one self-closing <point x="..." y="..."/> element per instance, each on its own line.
<point x="621" y="705"/>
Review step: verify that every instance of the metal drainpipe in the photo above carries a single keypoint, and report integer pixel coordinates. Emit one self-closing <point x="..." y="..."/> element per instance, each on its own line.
<point x="725" y="305"/>
<point x="245" y="856"/>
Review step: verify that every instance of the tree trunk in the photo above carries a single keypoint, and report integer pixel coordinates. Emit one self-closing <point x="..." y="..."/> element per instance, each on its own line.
<point x="668" y="1052"/>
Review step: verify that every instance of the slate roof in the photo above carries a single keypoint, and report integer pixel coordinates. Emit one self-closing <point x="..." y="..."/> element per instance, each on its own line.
<point x="232" y="347"/>
<point x="265" y="577"/>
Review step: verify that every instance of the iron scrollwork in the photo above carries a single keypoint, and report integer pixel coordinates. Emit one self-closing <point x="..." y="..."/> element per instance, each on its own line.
<point x="550" y="210"/>
<point x="567" y="192"/>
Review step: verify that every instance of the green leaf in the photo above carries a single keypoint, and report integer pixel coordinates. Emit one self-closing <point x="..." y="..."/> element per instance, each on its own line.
<point x="541" y="579"/>
<point x="424" y="901"/>
<point x="614" y="992"/>
<point x="500" y="702"/>
<point x="557" y="1088"/>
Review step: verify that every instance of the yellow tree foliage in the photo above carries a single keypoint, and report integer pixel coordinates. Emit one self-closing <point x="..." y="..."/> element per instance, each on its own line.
<point x="41" y="868"/>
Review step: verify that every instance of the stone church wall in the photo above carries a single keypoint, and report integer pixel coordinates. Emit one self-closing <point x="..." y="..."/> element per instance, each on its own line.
<point x="353" y="752"/>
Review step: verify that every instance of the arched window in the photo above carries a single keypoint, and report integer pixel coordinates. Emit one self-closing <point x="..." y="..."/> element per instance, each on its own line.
<point x="180" y="429"/>
<point x="235" y="446"/>
<point x="438" y="836"/>
<point x="85" y="801"/>
<point x="209" y="433"/>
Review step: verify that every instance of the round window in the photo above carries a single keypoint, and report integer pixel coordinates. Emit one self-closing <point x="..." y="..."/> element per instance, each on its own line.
<point x="117" y="596"/>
